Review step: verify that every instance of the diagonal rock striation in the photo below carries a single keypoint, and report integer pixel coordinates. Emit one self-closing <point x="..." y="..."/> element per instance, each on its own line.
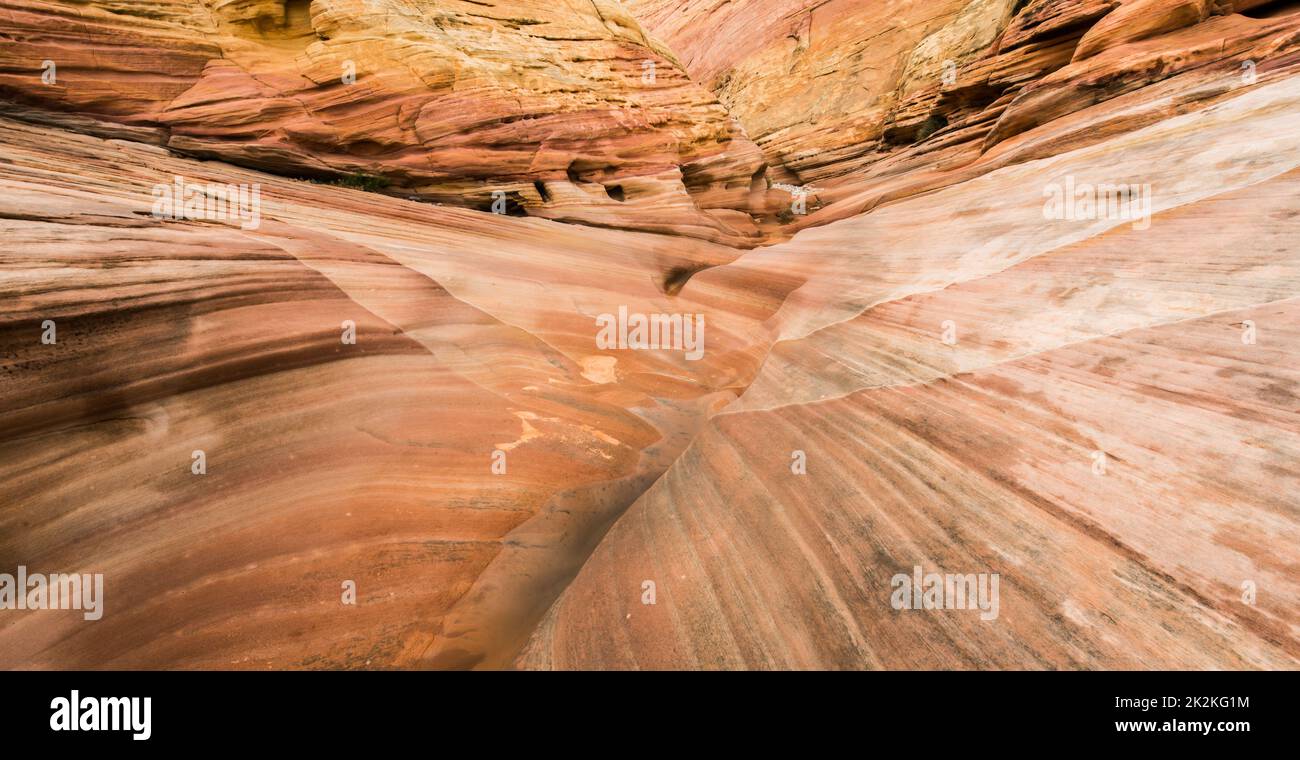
<point x="1036" y="329"/>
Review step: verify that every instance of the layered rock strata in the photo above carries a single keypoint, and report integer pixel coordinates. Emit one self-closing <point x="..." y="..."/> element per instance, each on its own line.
<point x="559" y="110"/>
<point x="1037" y="324"/>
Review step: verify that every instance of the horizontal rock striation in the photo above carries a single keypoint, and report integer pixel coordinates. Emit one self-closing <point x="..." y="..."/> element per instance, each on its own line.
<point x="568" y="111"/>
<point x="863" y="103"/>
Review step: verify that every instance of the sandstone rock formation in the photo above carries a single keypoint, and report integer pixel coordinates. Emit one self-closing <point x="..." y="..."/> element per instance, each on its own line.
<point x="1071" y="339"/>
<point x="929" y="368"/>
<point x="567" y="109"/>
<point x="326" y="462"/>
<point x="815" y="82"/>
<point x="867" y="102"/>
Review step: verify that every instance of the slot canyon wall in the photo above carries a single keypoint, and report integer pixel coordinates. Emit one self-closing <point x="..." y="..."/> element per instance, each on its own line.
<point x="908" y="360"/>
<point x="567" y="108"/>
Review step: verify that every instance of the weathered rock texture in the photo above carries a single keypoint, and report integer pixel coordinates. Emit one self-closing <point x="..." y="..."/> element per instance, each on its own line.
<point x="815" y="82"/>
<point x="952" y="363"/>
<point x="862" y="101"/>
<point x="565" y="107"/>
<point x="1071" y="338"/>
<point x="326" y="462"/>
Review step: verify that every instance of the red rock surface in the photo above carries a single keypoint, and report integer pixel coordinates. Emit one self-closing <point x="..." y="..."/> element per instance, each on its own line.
<point x="476" y="333"/>
<point x="814" y="82"/>
<point x="1071" y="339"/>
<point x="326" y="461"/>
<point x="450" y="101"/>
<point x="864" y="102"/>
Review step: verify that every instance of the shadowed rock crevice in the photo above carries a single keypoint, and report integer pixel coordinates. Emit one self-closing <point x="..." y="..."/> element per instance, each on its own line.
<point x="1272" y="9"/>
